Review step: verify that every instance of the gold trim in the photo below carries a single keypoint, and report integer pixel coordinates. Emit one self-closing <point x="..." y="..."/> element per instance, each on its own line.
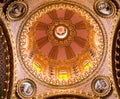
<point x="101" y="91"/>
<point x="32" y="84"/>
<point x="113" y="7"/>
<point x="20" y="15"/>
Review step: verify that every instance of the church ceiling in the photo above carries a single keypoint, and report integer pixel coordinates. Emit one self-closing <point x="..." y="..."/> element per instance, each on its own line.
<point x="60" y="49"/>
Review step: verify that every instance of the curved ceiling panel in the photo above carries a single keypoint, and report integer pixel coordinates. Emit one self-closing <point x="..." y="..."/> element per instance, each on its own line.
<point x="116" y="55"/>
<point x="61" y="43"/>
<point x="67" y="94"/>
<point x="6" y="62"/>
<point x="67" y="97"/>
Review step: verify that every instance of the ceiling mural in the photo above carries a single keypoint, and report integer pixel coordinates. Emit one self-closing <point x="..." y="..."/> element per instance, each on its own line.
<point x="26" y="88"/>
<point x="101" y="85"/>
<point x="64" y="49"/>
<point x="16" y="10"/>
<point x="105" y="8"/>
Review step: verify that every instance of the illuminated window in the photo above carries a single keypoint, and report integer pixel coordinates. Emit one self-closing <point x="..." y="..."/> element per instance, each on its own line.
<point x="37" y="67"/>
<point x="87" y="64"/>
<point x="63" y="75"/>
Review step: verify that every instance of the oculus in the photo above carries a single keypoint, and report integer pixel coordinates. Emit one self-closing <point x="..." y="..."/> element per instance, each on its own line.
<point x="26" y="88"/>
<point x="105" y="8"/>
<point x="61" y="44"/>
<point x="61" y="32"/>
<point x="101" y="86"/>
<point x="17" y="10"/>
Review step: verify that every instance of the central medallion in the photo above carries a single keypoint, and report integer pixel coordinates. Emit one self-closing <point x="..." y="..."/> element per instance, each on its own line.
<point x="61" y="32"/>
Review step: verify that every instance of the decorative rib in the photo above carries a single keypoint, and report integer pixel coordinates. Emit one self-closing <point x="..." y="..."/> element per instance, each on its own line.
<point x="41" y="42"/>
<point x="53" y="53"/>
<point x="80" y="25"/>
<point x="81" y="42"/>
<point x="69" y="52"/>
<point x="68" y="14"/>
<point x="42" y="26"/>
<point x="53" y="15"/>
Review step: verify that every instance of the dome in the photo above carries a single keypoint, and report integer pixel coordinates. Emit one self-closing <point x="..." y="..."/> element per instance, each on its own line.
<point x="61" y="44"/>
